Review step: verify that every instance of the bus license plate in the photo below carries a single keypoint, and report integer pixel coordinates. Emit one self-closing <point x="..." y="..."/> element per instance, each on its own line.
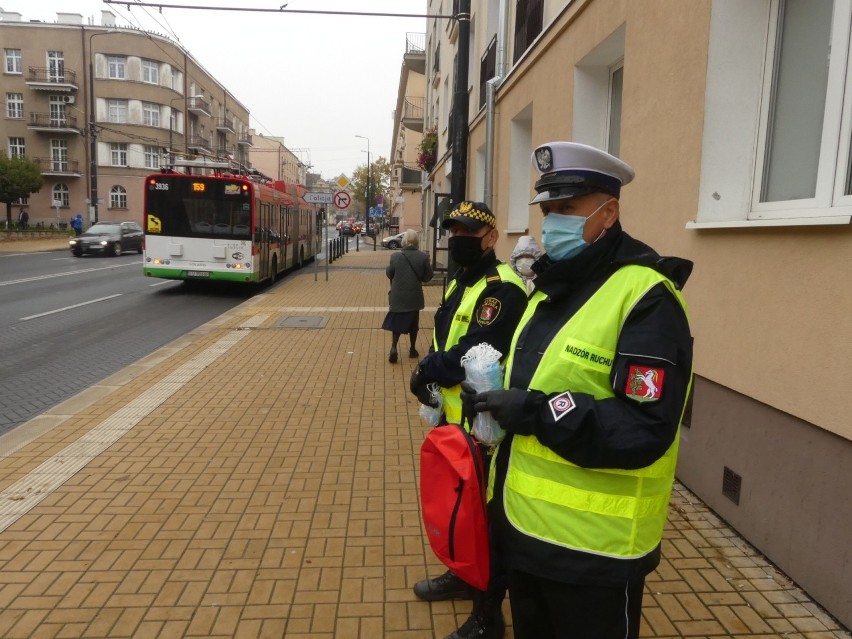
<point x="198" y="273"/>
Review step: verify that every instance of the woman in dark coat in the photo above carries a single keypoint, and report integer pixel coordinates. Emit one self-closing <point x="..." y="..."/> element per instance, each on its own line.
<point x="407" y="271"/>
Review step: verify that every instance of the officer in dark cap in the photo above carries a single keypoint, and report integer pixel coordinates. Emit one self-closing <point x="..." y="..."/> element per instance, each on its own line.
<point x="596" y="384"/>
<point x="483" y="302"/>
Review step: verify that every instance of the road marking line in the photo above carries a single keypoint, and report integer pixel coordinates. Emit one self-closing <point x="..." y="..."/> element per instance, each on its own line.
<point x="25" y="494"/>
<point x="68" y="308"/>
<point x="85" y="270"/>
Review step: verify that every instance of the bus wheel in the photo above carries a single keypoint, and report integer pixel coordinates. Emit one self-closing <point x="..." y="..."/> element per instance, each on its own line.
<point x="274" y="273"/>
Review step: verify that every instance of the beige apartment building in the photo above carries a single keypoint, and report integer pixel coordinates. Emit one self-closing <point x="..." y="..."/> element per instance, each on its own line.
<point x="270" y="156"/>
<point x="736" y="115"/>
<point x="99" y="107"/>
<point x="406" y="185"/>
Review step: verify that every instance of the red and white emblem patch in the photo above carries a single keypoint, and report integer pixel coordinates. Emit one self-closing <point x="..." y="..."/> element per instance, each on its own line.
<point x="561" y="405"/>
<point x="644" y="384"/>
<point x="488" y="311"/>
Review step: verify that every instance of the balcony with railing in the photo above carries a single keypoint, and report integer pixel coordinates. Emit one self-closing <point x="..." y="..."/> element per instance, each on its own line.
<point x="45" y="78"/>
<point x="50" y="166"/>
<point x="411" y="179"/>
<point x="53" y="123"/>
<point x="199" y="144"/>
<point x="415" y="52"/>
<point x="244" y="139"/>
<point x="198" y="105"/>
<point x="413" y="108"/>
<point x="226" y="125"/>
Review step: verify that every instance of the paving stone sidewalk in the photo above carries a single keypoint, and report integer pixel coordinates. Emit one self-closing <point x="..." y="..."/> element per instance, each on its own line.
<point x="258" y="478"/>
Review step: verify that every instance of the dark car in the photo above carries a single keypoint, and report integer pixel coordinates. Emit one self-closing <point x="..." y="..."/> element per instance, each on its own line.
<point x="347" y="229"/>
<point x="108" y="238"/>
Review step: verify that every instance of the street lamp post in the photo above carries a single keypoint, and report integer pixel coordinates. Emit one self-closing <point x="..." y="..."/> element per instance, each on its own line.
<point x="369" y="189"/>
<point x="93" y="134"/>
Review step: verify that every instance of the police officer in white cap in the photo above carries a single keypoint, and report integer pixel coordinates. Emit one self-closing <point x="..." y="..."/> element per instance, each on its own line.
<point x="596" y="385"/>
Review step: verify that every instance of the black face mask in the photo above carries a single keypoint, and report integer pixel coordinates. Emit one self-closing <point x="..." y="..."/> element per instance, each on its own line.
<point x="465" y="249"/>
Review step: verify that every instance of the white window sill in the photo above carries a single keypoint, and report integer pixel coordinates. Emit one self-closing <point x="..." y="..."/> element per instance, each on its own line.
<point x="748" y="224"/>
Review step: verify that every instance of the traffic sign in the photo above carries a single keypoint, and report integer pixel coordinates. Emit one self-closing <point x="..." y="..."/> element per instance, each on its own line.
<point x="319" y="198"/>
<point x="342" y="199"/>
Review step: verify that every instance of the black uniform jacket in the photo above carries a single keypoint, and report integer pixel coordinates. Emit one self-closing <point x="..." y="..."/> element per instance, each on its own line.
<point x="508" y="303"/>
<point x="617" y="432"/>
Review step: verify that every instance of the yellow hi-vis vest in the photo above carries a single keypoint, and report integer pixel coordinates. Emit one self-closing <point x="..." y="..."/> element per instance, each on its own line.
<point x="604" y="511"/>
<point x="458" y="328"/>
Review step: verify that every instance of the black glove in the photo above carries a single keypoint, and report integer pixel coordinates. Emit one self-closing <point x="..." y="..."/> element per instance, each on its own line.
<point x="514" y="409"/>
<point x="468" y="393"/>
<point x="418" y="385"/>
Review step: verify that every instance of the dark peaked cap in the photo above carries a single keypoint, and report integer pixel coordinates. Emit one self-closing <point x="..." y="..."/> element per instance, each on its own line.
<point x="571" y="169"/>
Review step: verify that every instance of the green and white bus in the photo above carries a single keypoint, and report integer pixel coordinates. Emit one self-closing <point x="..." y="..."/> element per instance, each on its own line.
<point x="226" y="226"/>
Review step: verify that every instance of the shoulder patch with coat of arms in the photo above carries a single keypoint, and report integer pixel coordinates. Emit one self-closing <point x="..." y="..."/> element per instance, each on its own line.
<point x="644" y="384"/>
<point x="488" y="311"/>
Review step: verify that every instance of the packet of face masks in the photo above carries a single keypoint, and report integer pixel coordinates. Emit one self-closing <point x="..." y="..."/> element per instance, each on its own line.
<point x="483" y="371"/>
<point x="431" y="416"/>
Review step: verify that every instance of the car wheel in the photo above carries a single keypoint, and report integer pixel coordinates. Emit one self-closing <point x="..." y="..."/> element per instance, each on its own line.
<point x="77" y="253"/>
<point x="393" y="244"/>
<point x="116" y="249"/>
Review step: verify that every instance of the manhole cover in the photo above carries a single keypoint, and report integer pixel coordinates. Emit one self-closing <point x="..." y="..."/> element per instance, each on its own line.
<point x="316" y="321"/>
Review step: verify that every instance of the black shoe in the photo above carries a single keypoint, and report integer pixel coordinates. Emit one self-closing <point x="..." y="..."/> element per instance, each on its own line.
<point x="412" y="353"/>
<point x="447" y="586"/>
<point x="478" y="627"/>
<point x="393" y="355"/>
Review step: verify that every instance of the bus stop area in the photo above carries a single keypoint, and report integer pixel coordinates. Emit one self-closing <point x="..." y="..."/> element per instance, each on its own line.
<point x="258" y="477"/>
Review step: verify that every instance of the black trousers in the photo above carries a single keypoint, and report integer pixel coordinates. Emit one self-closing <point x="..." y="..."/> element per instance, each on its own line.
<point x="546" y="609"/>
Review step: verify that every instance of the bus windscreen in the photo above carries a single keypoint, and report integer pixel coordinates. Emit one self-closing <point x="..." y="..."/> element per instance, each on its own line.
<point x="194" y="206"/>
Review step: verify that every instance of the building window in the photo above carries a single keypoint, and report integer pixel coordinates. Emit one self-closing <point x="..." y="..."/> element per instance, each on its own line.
<point x="118" y="154"/>
<point x="529" y="19"/>
<point x="56" y="66"/>
<point x="61" y="195"/>
<point x="13" y="61"/>
<point x="777" y="152"/>
<point x="117" y="111"/>
<point x="487" y="68"/>
<point x="59" y="155"/>
<point x="150" y="114"/>
<point x="616" y="85"/>
<point x="117" y="67"/>
<point x="15" y="106"/>
<point x="150" y="71"/>
<point x="118" y="197"/>
<point x="16" y="147"/>
<point x="152" y="157"/>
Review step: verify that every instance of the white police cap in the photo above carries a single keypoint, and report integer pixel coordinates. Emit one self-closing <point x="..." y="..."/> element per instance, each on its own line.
<point x="571" y="169"/>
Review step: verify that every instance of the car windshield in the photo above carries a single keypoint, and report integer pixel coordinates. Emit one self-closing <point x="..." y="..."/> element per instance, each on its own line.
<point x="104" y="229"/>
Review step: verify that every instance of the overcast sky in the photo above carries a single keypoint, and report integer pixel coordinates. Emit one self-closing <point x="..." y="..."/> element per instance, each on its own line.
<point x="316" y="80"/>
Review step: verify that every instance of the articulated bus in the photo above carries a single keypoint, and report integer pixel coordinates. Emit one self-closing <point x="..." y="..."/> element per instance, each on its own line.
<point x="225" y="226"/>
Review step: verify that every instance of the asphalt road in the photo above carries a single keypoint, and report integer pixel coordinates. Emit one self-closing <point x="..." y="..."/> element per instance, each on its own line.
<point x="70" y="322"/>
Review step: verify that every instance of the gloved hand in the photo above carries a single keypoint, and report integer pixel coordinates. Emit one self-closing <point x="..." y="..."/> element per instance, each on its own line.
<point x="513" y="409"/>
<point x="418" y="385"/>
<point x="468" y="393"/>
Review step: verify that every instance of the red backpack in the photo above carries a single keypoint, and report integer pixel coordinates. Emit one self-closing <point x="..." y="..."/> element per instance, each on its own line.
<point x="452" y="497"/>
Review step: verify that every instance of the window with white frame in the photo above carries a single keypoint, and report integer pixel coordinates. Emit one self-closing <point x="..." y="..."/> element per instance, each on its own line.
<point x="117" y="111"/>
<point x="61" y="194"/>
<point x="17" y="148"/>
<point x="118" y="197"/>
<point x="778" y="115"/>
<point x="15" y="106"/>
<point x="118" y="154"/>
<point x="597" y="96"/>
<point x="59" y="155"/>
<point x="150" y="71"/>
<point x="13" y="61"/>
<point x="116" y="67"/>
<point x="150" y="114"/>
<point x="151" y="156"/>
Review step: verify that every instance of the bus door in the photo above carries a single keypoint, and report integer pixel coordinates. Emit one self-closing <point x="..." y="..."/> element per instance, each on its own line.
<point x="264" y="240"/>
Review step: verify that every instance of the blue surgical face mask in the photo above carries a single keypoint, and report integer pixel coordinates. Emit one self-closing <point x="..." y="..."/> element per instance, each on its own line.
<point x="562" y="235"/>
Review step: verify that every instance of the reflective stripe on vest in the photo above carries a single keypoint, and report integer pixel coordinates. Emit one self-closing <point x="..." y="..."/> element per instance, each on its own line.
<point x="612" y="512"/>
<point x="459" y="326"/>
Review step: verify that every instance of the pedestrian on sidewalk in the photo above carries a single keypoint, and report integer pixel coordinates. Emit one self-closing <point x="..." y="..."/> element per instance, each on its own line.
<point x="408" y="270"/>
<point x="77" y="224"/>
<point x="595" y="390"/>
<point x="483" y="302"/>
<point x="24" y="219"/>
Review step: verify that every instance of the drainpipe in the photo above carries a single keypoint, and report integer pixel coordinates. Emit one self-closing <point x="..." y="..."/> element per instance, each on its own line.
<point x="491" y="98"/>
